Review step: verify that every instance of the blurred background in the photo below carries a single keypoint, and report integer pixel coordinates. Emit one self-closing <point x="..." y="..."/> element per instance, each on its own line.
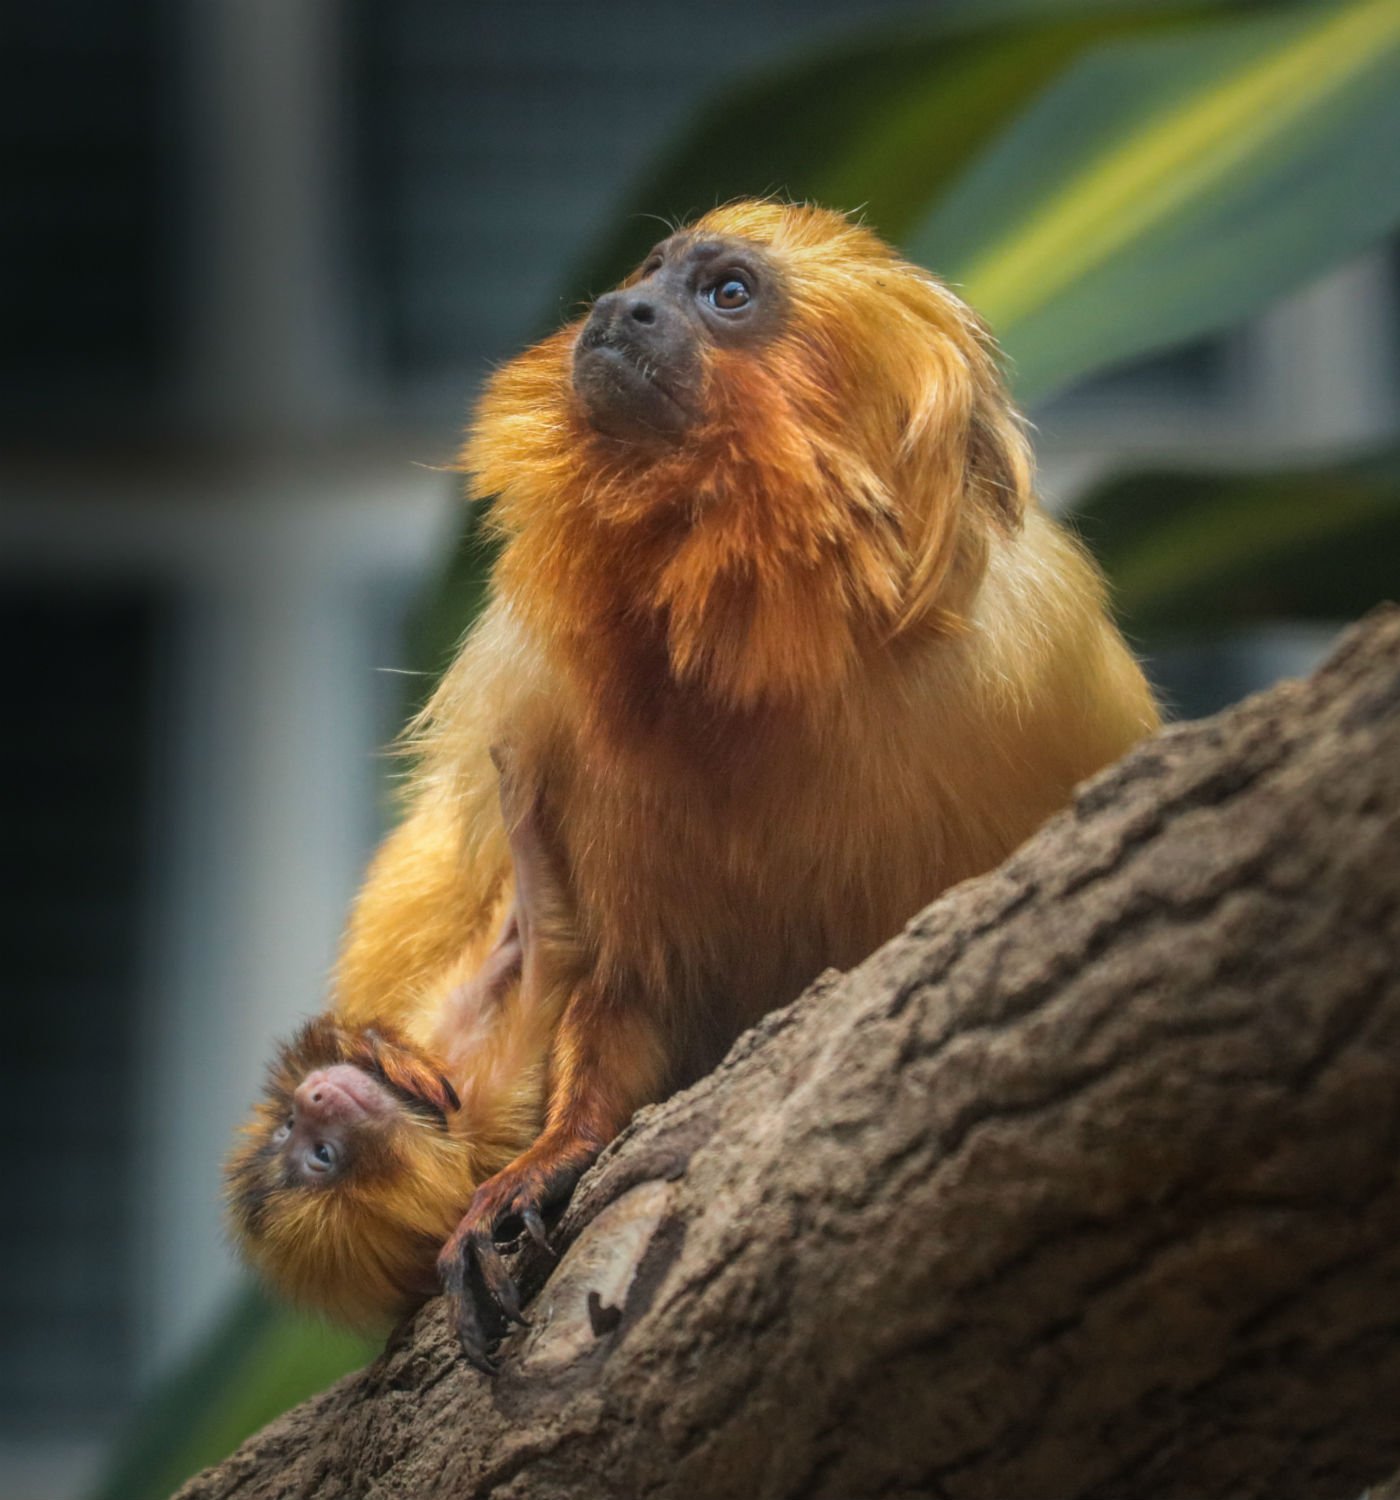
<point x="258" y="255"/>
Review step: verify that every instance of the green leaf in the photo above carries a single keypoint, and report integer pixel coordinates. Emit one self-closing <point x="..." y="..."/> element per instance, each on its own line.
<point x="879" y="122"/>
<point x="1169" y="185"/>
<point x="1192" y="555"/>
<point x="260" y="1360"/>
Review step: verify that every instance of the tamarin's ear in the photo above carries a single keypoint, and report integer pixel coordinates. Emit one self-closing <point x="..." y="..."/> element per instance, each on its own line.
<point x="964" y="470"/>
<point x="999" y="472"/>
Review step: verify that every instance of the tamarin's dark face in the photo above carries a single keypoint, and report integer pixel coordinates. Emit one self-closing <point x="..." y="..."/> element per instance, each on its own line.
<point x="639" y="361"/>
<point x="799" y="441"/>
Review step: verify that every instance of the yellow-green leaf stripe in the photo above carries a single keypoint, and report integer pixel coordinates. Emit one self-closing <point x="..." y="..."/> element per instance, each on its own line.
<point x="1176" y="159"/>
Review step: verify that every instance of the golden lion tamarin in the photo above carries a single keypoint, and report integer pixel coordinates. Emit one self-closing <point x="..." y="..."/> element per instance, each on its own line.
<point x="780" y="641"/>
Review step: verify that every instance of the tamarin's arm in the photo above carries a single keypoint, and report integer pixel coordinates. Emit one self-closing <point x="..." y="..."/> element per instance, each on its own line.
<point x="604" y="1053"/>
<point x="496" y="1030"/>
<point x="608" y="1059"/>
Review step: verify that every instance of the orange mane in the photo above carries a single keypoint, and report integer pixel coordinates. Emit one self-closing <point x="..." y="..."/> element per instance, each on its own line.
<point x="843" y="481"/>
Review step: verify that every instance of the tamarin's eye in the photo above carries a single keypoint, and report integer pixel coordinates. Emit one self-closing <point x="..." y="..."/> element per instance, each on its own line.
<point x="282" y="1132"/>
<point x="323" y="1155"/>
<point x="730" y="294"/>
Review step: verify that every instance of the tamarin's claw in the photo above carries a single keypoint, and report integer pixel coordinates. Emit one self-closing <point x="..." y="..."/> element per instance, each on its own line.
<point x="482" y="1296"/>
<point x="534" y="1227"/>
<point x="476" y="1314"/>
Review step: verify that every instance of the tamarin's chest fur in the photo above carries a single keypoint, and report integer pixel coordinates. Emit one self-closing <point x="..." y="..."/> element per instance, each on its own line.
<point x="721" y="859"/>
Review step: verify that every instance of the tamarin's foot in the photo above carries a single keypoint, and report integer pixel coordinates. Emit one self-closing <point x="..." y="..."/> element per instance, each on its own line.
<point x="482" y="1297"/>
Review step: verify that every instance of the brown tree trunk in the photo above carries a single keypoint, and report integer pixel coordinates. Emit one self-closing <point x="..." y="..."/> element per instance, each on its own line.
<point x="1085" y="1185"/>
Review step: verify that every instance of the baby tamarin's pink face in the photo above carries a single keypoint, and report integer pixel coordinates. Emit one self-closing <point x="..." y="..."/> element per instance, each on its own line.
<point x="332" y="1108"/>
<point x="349" y="1177"/>
<point x="342" y="1105"/>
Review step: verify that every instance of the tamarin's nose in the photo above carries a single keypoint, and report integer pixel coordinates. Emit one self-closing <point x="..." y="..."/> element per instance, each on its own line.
<point x="615" y="312"/>
<point x="338" y="1092"/>
<point x="311" y="1095"/>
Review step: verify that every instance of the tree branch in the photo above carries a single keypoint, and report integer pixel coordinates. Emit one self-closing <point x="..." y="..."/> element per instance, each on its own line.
<point x="1085" y="1185"/>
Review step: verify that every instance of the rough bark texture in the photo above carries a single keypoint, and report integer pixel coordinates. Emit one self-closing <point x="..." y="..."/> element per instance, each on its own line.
<point x="1085" y="1185"/>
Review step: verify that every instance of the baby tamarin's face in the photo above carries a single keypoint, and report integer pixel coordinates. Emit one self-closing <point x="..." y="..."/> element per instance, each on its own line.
<point x="334" y="1111"/>
<point x="349" y="1177"/>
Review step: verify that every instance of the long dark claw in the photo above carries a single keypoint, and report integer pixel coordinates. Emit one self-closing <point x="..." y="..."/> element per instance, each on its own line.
<point x="483" y="1296"/>
<point x="473" y="1343"/>
<point x="464" y="1280"/>
<point x="534" y="1227"/>
<point x="497" y="1279"/>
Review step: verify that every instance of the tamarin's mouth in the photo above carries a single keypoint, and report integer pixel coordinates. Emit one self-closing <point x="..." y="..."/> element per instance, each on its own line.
<point x="624" y="387"/>
<point x="626" y="370"/>
<point x="623" y="397"/>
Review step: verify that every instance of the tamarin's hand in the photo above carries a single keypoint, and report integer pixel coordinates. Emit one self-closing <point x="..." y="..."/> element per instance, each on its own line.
<point x="781" y="640"/>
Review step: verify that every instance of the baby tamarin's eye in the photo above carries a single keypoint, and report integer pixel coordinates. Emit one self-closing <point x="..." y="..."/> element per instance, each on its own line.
<point x="282" y="1132"/>
<point x="322" y="1157"/>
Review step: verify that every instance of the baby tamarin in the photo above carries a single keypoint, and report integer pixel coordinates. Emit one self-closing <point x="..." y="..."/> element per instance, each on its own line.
<point x="380" y="1117"/>
<point x="778" y="637"/>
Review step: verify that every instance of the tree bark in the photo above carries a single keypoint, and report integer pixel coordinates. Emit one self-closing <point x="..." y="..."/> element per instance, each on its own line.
<point x="1085" y="1185"/>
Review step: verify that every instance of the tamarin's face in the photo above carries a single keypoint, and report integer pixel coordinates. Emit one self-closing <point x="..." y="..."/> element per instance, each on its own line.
<point x="348" y="1177"/>
<point x="336" y="1102"/>
<point x="639" y="361"/>
<point x="334" y="1113"/>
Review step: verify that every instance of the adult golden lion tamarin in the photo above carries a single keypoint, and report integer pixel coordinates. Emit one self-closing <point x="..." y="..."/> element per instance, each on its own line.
<point x="778" y="638"/>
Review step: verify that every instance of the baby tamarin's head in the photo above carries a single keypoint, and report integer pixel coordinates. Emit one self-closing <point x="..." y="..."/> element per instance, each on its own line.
<point x="789" y="441"/>
<point x="347" y="1179"/>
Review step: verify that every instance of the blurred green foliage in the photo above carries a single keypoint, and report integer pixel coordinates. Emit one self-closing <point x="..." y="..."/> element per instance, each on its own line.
<point x="260" y="1360"/>
<point x="1104" y="179"/>
<point x="1193" y="554"/>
